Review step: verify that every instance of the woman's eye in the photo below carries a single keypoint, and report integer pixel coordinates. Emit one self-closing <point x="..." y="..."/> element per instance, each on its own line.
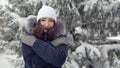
<point x="43" y="20"/>
<point x="51" y="20"/>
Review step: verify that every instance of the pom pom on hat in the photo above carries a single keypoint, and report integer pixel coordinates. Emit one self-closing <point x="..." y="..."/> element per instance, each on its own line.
<point x="47" y="11"/>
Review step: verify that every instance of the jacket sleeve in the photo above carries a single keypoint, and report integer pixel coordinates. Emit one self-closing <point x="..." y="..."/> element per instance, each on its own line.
<point x="26" y="50"/>
<point x="27" y="53"/>
<point x="50" y="54"/>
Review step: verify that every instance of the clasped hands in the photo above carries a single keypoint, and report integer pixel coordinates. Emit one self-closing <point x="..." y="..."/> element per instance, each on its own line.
<point x="30" y="39"/>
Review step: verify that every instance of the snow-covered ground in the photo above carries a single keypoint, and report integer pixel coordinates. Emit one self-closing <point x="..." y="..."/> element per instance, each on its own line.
<point x="4" y="61"/>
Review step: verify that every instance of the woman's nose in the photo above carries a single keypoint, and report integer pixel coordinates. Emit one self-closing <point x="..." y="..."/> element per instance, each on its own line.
<point x="46" y="23"/>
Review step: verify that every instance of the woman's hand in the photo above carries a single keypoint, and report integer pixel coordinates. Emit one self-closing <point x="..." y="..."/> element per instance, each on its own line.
<point x="58" y="41"/>
<point x="29" y="40"/>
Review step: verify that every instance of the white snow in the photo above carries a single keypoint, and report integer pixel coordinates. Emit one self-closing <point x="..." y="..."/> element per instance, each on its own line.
<point x="109" y="7"/>
<point x="33" y="1"/>
<point x="21" y="21"/>
<point x="114" y="38"/>
<point x="89" y="4"/>
<point x="81" y="50"/>
<point x="4" y="62"/>
<point x="74" y="64"/>
<point x="78" y="29"/>
<point x="3" y="2"/>
<point x="93" y="53"/>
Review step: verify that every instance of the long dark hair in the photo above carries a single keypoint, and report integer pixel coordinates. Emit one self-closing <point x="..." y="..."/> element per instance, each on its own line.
<point x="44" y="34"/>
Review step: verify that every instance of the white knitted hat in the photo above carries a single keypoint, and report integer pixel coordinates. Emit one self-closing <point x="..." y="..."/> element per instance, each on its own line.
<point x="47" y="11"/>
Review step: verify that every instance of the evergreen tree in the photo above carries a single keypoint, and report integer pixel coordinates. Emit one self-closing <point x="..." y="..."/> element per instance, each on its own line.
<point x="87" y="21"/>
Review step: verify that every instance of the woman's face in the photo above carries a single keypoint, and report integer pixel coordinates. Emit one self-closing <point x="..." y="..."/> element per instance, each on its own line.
<point x="47" y="22"/>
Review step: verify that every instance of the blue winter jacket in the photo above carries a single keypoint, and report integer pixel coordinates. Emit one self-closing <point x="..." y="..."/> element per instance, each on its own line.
<point x="44" y="55"/>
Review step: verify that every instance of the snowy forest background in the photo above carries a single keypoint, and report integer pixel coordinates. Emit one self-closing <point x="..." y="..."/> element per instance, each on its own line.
<point x="93" y="29"/>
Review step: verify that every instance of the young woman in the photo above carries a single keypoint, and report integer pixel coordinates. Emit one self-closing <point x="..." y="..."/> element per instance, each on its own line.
<point x="46" y="47"/>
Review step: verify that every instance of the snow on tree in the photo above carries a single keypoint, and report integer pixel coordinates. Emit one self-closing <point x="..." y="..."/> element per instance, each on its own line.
<point x="89" y="24"/>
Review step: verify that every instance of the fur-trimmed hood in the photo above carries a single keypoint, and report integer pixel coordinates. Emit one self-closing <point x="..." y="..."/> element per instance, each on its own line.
<point x="31" y="20"/>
